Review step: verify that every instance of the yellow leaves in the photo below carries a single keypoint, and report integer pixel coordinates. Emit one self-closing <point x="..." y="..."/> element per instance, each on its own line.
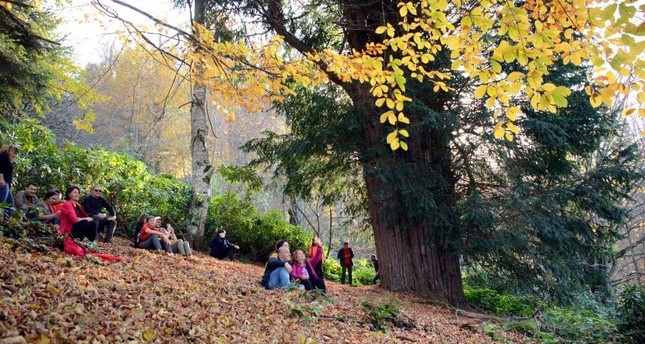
<point x="388" y="30"/>
<point x="405" y="8"/>
<point x="506" y="130"/>
<point x="6" y="4"/>
<point x="512" y="113"/>
<point x="480" y="91"/>
<point x="149" y="335"/>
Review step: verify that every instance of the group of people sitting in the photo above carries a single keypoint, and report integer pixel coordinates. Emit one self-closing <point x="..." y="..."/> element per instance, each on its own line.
<point x="150" y="235"/>
<point x="84" y="218"/>
<point x="303" y="272"/>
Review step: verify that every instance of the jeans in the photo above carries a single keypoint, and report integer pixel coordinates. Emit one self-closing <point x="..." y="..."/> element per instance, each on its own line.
<point x="7" y="197"/>
<point x="278" y="278"/>
<point x="342" y="275"/>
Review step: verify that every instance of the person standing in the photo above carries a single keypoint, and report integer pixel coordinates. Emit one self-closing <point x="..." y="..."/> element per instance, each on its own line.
<point x="7" y="156"/>
<point x="345" y="255"/>
<point x="376" y="269"/>
<point x="94" y="203"/>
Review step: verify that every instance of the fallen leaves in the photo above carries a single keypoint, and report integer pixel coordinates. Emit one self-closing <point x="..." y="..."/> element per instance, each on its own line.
<point x="55" y="298"/>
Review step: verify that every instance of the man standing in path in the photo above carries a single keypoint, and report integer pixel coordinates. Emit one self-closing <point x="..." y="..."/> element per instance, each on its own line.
<point x="345" y="256"/>
<point x="95" y="205"/>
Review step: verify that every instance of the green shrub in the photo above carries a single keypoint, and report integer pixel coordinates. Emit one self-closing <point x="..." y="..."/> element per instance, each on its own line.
<point x="491" y="301"/>
<point x="255" y="233"/>
<point x="631" y="314"/>
<point x="380" y="315"/>
<point x="362" y="273"/>
<point x="578" y="325"/>
<point x="332" y="270"/>
<point x="128" y="185"/>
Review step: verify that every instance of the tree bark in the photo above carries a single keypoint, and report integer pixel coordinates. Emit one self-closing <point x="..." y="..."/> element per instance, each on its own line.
<point x="202" y="168"/>
<point x="414" y="254"/>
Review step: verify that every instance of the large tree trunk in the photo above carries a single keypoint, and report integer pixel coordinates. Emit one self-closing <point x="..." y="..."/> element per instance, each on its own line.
<point x="414" y="250"/>
<point x="202" y="168"/>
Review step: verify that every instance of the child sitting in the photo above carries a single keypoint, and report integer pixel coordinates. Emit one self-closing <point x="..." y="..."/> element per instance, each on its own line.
<point x="299" y="270"/>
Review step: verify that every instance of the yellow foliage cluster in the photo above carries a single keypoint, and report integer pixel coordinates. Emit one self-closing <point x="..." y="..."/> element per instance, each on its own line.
<point x="247" y="77"/>
<point x="532" y="33"/>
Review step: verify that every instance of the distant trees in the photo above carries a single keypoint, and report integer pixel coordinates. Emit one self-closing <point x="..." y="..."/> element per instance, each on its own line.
<point x="37" y="71"/>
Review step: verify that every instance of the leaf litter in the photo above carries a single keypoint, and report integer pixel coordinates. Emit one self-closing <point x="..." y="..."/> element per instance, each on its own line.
<point x="51" y="297"/>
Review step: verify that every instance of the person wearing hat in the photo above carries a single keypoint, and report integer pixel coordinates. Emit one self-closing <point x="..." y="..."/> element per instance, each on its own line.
<point x="222" y="248"/>
<point x="176" y="245"/>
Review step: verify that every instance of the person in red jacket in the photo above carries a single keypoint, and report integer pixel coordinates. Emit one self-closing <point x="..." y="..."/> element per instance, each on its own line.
<point x="73" y="219"/>
<point x="345" y="255"/>
<point x="151" y="238"/>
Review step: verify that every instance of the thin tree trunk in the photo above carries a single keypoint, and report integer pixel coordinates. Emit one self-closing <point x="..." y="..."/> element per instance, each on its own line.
<point x="202" y="168"/>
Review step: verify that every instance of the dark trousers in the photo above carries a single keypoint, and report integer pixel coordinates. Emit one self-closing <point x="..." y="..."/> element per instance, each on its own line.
<point x="307" y="284"/>
<point x="84" y="229"/>
<point x="110" y="226"/>
<point x="376" y="278"/>
<point x="347" y="269"/>
<point x="224" y="252"/>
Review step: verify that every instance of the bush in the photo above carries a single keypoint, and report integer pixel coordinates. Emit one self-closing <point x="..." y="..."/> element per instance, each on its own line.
<point x="128" y="186"/>
<point x="332" y="270"/>
<point x="491" y="301"/>
<point x="380" y="315"/>
<point x="631" y="314"/>
<point x="578" y="325"/>
<point x="254" y="232"/>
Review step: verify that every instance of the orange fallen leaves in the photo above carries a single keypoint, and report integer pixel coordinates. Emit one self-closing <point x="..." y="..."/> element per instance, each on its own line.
<point x="55" y="298"/>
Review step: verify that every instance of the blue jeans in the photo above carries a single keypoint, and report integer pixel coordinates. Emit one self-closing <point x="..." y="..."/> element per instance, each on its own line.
<point x="7" y="197"/>
<point x="278" y="278"/>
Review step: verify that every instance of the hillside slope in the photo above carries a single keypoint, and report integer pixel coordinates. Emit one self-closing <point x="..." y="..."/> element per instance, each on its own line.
<point x="54" y="297"/>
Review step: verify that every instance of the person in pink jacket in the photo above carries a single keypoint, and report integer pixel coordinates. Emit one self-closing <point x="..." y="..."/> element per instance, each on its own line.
<point x="299" y="270"/>
<point x="73" y="219"/>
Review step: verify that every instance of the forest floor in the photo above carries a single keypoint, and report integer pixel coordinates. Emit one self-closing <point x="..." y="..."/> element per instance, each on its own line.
<point x="57" y="298"/>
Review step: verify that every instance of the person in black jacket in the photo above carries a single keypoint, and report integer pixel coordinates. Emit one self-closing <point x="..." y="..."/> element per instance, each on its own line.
<point x="7" y="155"/>
<point x="94" y="205"/>
<point x="222" y="248"/>
<point x="276" y="273"/>
<point x="376" y="269"/>
<point x="345" y="255"/>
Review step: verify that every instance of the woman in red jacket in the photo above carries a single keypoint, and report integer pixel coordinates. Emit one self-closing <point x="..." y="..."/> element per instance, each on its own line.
<point x="73" y="219"/>
<point x="151" y="238"/>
